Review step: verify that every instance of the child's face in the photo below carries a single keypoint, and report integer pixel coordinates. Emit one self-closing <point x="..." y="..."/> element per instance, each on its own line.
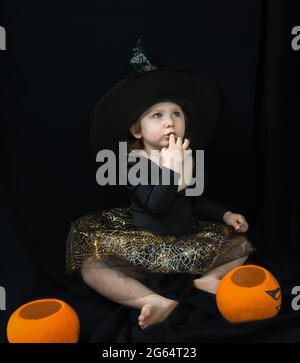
<point x="158" y="122"/>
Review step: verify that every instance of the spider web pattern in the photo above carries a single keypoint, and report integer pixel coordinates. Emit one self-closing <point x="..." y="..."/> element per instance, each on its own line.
<point x="103" y="235"/>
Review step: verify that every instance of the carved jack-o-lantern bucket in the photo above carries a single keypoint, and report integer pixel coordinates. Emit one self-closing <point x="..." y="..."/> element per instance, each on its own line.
<point x="43" y="321"/>
<point x="248" y="293"/>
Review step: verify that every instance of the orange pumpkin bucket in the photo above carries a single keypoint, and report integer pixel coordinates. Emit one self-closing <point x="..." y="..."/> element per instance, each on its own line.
<point x="248" y="293"/>
<point x="44" y="321"/>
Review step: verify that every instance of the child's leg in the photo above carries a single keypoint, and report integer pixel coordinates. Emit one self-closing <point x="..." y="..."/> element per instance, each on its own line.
<point x="119" y="287"/>
<point x="115" y="285"/>
<point x="211" y="279"/>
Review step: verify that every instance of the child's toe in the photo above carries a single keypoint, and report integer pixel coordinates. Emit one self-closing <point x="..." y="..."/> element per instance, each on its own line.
<point x="142" y="324"/>
<point x="147" y="311"/>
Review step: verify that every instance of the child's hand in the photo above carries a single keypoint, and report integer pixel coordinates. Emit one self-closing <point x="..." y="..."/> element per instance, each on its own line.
<point x="237" y="221"/>
<point x="172" y="157"/>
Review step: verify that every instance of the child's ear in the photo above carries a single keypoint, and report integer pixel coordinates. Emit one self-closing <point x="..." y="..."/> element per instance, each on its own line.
<point x="134" y="131"/>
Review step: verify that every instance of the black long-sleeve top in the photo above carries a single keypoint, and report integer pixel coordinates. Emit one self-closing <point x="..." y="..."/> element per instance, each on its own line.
<point x="164" y="210"/>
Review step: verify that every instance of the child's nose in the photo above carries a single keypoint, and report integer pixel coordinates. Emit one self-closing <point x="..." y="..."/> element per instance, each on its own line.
<point x="169" y="122"/>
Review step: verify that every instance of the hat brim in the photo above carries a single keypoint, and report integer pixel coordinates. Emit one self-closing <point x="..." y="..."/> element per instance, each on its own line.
<point x="125" y="102"/>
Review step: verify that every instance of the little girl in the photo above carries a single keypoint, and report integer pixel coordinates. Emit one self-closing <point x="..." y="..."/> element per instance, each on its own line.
<point x="159" y="108"/>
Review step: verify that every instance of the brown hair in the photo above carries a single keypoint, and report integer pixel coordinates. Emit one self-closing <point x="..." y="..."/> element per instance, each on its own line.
<point x="132" y="142"/>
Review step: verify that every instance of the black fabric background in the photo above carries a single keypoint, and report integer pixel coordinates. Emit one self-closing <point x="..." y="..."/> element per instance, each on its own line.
<point x="61" y="58"/>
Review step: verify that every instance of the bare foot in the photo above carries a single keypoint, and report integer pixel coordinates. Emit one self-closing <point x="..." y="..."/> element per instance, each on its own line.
<point x="155" y="309"/>
<point x="209" y="284"/>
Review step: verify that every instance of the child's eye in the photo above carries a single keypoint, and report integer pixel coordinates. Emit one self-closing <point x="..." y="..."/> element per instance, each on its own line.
<point x="177" y="113"/>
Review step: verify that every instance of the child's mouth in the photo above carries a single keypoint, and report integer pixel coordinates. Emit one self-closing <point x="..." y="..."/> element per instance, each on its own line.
<point x="171" y="133"/>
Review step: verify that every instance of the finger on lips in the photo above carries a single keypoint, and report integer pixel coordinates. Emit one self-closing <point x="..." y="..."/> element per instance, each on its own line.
<point x="171" y="140"/>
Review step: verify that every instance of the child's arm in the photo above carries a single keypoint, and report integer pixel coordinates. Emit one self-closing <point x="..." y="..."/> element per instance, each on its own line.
<point x="156" y="199"/>
<point x="204" y="207"/>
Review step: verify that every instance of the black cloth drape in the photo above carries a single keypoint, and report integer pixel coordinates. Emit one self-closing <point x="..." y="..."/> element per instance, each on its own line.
<point x="277" y="221"/>
<point x="60" y="59"/>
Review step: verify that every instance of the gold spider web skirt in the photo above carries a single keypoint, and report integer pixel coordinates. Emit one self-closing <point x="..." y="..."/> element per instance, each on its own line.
<point x="109" y="237"/>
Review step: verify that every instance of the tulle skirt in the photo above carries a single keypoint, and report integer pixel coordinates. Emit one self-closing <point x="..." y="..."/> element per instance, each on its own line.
<point x="108" y="236"/>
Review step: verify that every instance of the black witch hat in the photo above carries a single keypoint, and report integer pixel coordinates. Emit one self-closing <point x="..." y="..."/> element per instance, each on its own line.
<point x="122" y="105"/>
